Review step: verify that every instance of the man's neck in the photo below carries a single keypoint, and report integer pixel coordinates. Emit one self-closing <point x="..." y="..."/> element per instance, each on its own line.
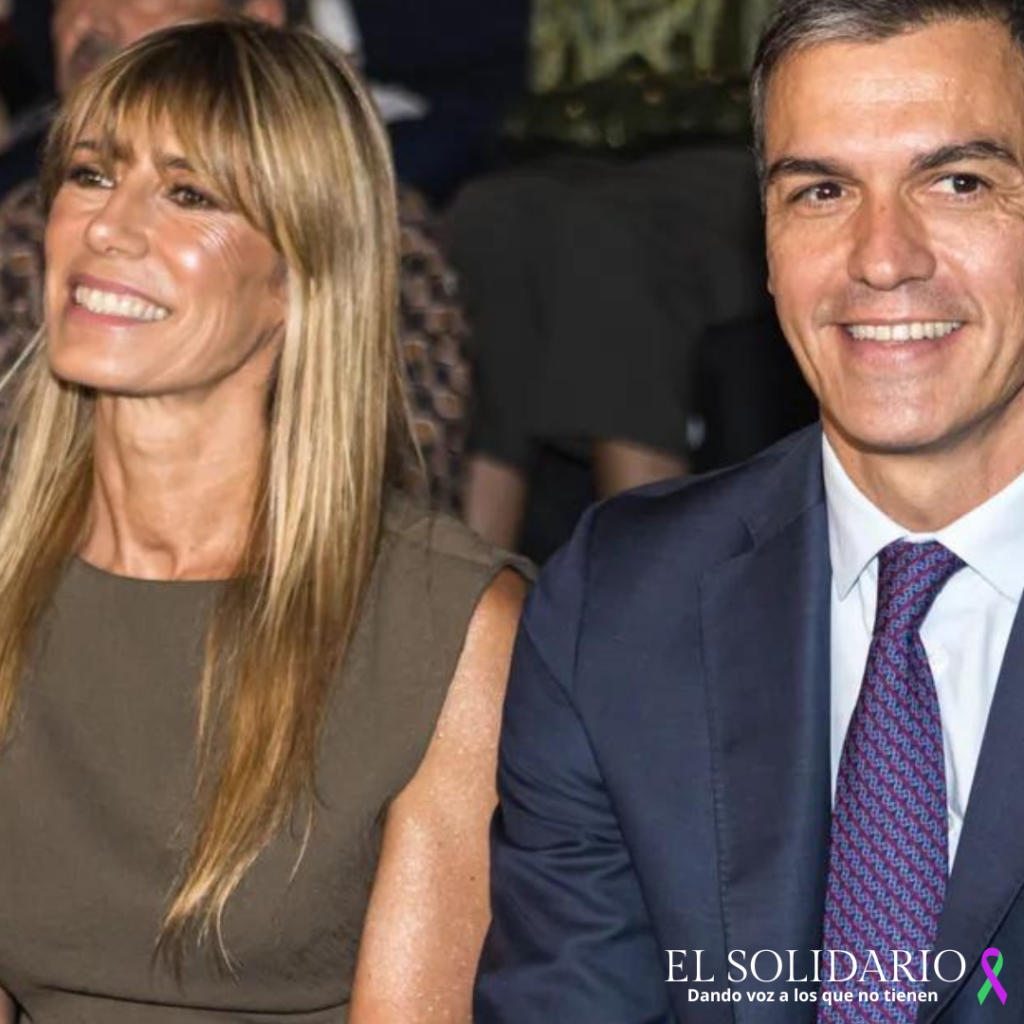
<point x="926" y="490"/>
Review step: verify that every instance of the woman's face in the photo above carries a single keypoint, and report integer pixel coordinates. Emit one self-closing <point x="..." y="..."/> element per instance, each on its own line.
<point x="155" y="287"/>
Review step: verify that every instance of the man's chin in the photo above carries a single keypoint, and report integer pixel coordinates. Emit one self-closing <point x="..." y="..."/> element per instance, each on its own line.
<point x="879" y="439"/>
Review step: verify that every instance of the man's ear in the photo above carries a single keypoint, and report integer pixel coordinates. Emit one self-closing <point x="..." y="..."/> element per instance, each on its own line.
<point x="271" y="11"/>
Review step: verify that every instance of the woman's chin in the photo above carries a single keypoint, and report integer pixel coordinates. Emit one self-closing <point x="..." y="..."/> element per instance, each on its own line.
<point x="94" y="371"/>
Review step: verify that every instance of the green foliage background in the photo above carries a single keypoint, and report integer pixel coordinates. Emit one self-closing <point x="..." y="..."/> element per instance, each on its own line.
<point x="579" y="41"/>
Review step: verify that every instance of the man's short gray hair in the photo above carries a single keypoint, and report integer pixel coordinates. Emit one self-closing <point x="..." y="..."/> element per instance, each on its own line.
<point x="799" y="24"/>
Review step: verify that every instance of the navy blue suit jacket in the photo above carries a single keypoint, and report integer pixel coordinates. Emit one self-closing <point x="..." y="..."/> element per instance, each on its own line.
<point x="664" y="769"/>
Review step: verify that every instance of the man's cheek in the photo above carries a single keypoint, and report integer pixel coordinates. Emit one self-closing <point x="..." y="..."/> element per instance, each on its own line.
<point x="1010" y="203"/>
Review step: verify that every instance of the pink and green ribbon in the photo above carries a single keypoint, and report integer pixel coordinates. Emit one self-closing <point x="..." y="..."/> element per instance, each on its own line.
<point x="992" y="973"/>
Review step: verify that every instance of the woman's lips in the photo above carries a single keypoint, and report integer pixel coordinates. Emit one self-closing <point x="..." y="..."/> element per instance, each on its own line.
<point x="114" y="301"/>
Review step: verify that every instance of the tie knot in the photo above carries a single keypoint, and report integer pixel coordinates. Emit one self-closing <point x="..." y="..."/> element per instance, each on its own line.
<point x="910" y="577"/>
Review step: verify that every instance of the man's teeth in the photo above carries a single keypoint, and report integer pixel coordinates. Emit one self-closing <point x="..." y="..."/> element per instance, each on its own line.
<point x="111" y="304"/>
<point x="913" y="331"/>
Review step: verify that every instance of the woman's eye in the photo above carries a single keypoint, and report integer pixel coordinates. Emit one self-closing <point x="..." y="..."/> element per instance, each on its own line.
<point x="87" y="176"/>
<point x="820" y="194"/>
<point x="192" y="198"/>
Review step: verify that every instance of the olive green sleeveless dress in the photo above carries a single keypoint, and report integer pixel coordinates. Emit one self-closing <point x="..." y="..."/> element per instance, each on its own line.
<point x="95" y="788"/>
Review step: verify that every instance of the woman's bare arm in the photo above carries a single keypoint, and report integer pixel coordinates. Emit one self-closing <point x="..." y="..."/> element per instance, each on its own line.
<point x="430" y="906"/>
<point x="8" y="1012"/>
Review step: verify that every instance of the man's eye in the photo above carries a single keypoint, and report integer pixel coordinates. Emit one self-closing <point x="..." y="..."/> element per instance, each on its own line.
<point x="88" y="176"/>
<point x="819" y="194"/>
<point x="961" y="184"/>
<point x="191" y="198"/>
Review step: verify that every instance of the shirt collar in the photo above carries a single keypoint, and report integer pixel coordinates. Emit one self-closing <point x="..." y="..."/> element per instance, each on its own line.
<point x="990" y="538"/>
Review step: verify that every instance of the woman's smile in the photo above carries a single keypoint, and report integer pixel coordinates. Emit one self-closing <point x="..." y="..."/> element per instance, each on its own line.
<point x="112" y="302"/>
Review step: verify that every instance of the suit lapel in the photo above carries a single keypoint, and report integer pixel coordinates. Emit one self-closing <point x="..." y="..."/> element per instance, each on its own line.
<point x="989" y="868"/>
<point x="765" y="624"/>
<point x="765" y="636"/>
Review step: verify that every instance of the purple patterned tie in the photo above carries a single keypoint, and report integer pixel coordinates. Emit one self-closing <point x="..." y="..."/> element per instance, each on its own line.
<point x="888" y="858"/>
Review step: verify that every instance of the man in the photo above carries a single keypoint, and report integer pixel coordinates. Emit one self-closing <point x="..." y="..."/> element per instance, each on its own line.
<point x="87" y="32"/>
<point x="711" y="741"/>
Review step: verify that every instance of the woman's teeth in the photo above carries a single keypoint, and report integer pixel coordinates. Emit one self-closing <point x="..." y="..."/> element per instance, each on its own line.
<point x="112" y="304"/>
<point x="913" y="331"/>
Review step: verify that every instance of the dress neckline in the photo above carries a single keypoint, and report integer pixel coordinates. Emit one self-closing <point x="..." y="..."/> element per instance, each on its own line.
<point x="88" y="569"/>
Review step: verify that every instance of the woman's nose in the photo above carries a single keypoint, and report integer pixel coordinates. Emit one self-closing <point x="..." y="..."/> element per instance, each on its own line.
<point x="118" y="227"/>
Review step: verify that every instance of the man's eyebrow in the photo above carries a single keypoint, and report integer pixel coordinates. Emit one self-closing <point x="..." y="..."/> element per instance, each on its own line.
<point x="976" y="149"/>
<point x="792" y="165"/>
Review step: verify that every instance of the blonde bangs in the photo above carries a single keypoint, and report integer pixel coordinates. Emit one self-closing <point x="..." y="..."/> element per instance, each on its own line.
<point x="253" y="131"/>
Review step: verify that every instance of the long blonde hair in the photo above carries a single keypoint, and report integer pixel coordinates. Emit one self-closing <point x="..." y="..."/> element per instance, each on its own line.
<point x="280" y="125"/>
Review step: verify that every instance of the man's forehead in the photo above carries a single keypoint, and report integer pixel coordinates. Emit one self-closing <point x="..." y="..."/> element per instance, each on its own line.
<point x="172" y="9"/>
<point x="948" y="73"/>
<point x="969" y="51"/>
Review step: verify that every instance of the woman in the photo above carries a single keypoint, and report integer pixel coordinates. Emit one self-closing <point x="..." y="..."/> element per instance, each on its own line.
<point x="249" y="697"/>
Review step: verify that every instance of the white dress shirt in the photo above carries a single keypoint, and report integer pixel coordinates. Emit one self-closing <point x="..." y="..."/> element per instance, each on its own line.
<point x="964" y="635"/>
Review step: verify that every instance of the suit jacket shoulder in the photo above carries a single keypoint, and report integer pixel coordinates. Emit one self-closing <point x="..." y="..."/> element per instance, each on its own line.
<point x="637" y="560"/>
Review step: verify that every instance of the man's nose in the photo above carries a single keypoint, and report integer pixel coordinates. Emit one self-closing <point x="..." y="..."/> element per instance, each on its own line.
<point x="78" y="17"/>
<point x="890" y="245"/>
<point x="85" y="34"/>
<point x="120" y="226"/>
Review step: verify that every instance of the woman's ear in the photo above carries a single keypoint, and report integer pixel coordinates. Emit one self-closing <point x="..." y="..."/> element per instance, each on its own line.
<point x="279" y="279"/>
<point x="277" y="293"/>
<point x="271" y="11"/>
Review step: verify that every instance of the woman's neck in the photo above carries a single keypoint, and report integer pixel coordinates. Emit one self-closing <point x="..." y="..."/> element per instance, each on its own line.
<point x="175" y="481"/>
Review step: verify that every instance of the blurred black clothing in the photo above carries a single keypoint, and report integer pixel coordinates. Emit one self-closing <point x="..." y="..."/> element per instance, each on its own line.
<point x="467" y="59"/>
<point x="26" y="80"/>
<point x="30" y="23"/>
<point x="589" y="284"/>
<point x="19" y="161"/>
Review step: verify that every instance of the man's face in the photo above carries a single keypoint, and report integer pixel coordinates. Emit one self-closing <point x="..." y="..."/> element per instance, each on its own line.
<point x="87" y="32"/>
<point x="895" y="227"/>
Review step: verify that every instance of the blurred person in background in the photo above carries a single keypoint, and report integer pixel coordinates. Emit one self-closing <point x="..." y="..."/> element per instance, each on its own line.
<point x="88" y="32"/>
<point x="445" y="73"/>
<point x="592" y="272"/>
<point x="249" y="692"/>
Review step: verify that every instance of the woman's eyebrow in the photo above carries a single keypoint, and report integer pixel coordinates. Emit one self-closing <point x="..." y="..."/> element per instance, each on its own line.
<point x="173" y="162"/>
<point x="118" y="150"/>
